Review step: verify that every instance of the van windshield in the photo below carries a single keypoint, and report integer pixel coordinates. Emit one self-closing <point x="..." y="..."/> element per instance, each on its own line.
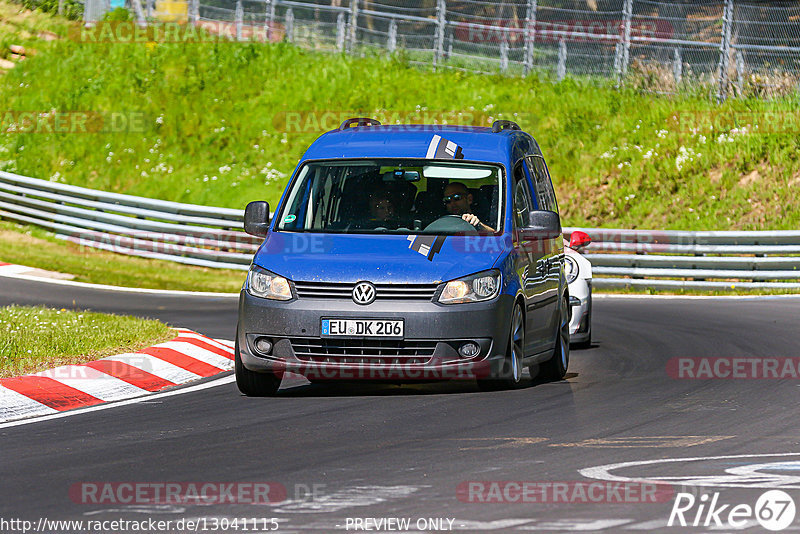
<point x="395" y="196"/>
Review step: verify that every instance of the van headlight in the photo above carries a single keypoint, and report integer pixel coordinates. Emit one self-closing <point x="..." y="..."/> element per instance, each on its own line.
<point x="266" y="285"/>
<point x="571" y="269"/>
<point x="473" y="288"/>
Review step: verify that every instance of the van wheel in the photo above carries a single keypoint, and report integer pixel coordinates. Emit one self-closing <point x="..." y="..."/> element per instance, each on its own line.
<point x="511" y="373"/>
<point x="254" y="384"/>
<point x="555" y="368"/>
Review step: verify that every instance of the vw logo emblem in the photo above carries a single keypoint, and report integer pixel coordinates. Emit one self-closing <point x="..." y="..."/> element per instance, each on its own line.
<point x="363" y="293"/>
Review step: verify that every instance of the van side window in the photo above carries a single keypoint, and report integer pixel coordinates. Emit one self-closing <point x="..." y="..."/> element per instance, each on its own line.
<point x="541" y="181"/>
<point x="523" y="204"/>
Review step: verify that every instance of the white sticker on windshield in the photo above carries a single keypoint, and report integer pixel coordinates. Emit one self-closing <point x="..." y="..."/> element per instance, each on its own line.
<point x="441" y="148"/>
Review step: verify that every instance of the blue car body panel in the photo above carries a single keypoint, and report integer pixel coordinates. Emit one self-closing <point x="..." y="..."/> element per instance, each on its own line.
<point x="377" y="258"/>
<point x="477" y="143"/>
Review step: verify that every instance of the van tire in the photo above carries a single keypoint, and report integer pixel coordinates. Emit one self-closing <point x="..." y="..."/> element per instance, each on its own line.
<point x="555" y="368"/>
<point x="254" y="384"/>
<point x="511" y="373"/>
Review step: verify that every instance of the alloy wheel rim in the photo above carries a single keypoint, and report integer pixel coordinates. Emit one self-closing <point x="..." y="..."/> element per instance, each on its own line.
<point x="564" y="343"/>
<point x="517" y="340"/>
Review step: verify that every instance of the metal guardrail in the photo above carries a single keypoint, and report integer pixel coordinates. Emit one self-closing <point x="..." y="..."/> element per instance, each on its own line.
<point x="138" y="226"/>
<point x="213" y="237"/>
<point x="693" y="260"/>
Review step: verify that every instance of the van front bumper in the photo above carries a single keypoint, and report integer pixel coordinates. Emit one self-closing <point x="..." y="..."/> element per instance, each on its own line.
<point x="429" y="349"/>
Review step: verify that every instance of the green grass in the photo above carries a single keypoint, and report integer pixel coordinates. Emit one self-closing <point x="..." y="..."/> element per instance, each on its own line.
<point x="36" y="248"/>
<point x="36" y="338"/>
<point x="213" y="114"/>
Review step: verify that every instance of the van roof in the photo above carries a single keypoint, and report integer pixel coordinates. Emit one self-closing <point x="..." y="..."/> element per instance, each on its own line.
<point x="412" y="141"/>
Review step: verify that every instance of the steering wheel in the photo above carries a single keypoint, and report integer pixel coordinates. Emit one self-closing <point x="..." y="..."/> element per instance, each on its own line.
<point x="451" y="224"/>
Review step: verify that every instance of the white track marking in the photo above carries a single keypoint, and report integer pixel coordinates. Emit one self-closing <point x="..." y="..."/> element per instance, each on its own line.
<point x="191" y="389"/>
<point x="141" y="509"/>
<point x="210" y="341"/>
<point x="93" y="382"/>
<point x="13" y="404"/>
<point x="199" y="353"/>
<point x="156" y="366"/>
<point x="653" y="524"/>
<point x="11" y="274"/>
<point x="577" y="525"/>
<point x="499" y="524"/>
<point x="6" y="270"/>
<point x="348" y="498"/>
<point x="225" y="342"/>
<point x="603" y="472"/>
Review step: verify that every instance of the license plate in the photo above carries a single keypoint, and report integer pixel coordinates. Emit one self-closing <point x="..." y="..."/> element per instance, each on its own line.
<point x="389" y="328"/>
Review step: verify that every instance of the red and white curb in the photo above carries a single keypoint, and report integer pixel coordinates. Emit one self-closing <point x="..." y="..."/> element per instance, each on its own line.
<point x="188" y="357"/>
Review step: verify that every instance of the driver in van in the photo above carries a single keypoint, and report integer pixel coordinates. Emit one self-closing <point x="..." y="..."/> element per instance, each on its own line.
<point x="458" y="201"/>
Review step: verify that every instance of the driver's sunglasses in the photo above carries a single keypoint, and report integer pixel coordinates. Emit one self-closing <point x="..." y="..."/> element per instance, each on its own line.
<point x="450" y="198"/>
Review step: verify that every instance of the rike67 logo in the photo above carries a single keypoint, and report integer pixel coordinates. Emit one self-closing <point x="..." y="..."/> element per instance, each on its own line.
<point x="774" y="510"/>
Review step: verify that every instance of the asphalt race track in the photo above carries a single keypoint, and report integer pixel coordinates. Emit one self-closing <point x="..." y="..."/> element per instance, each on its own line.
<point x="381" y="451"/>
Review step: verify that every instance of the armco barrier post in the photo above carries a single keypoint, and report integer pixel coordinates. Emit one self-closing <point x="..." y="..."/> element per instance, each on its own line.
<point x="351" y="45"/>
<point x="627" y="15"/>
<point x="269" y="18"/>
<point x="341" y="30"/>
<point x="530" y="35"/>
<point x="448" y="53"/>
<point x="561" y="71"/>
<point x="194" y="11"/>
<point x="441" y="23"/>
<point x="504" y="51"/>
<point x="739" y="72"/>
<point x="290" y="25"/>
<point x="724" y="50"/>
<point x="391" y="45"/>
<point x="239" y="16"/>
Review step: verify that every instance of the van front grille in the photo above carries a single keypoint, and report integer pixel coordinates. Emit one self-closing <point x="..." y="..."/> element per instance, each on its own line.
<point x="363" y="351"/>
<point x="329" y="290"/>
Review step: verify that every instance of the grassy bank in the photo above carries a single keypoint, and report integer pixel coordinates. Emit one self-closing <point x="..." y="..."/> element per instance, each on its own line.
<point x="206" y="123"/>
<point x="36" y="338"/>
<point x="33" y="247"/>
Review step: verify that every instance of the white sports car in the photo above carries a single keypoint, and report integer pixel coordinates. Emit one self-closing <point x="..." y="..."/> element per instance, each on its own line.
<point x="579" y="277"/>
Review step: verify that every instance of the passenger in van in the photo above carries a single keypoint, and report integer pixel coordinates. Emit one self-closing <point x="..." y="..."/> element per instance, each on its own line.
<point x="381" y="206"/>
<point x="458" y="201"/>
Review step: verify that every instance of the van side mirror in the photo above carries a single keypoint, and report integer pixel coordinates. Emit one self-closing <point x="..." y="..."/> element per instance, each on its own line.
<point x="542" y="225"/>
<point x="256" y="218"/>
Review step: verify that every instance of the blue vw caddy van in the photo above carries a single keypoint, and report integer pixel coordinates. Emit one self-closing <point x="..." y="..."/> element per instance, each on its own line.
<point x="407" y="253"/>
